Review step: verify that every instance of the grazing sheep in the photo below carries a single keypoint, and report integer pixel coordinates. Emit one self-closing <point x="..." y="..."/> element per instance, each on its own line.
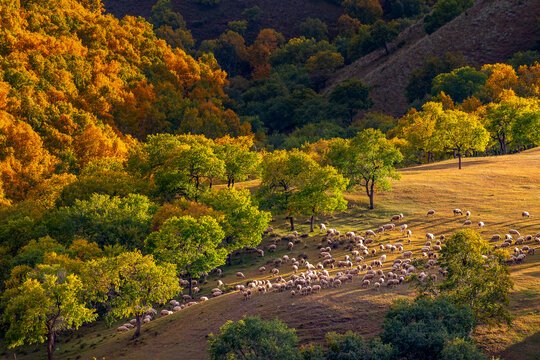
<point x="122" y="329"/>
<point x="240" y="275"/>
<point x="431" y="212"/>
<point x="409" y="233"/>
<point x="457" y="212"/>
<point x="269" y="229"/>
<point x="219" y="283"/>
<point x="467" y="213"/>
<point x="219" y="272"/>
<point x="396" y="217"/>
<point x="323" y="227"/>
<point x="203" y="298"/>
<point x="186" y="298"/>
<point x="430" y="236"/>
<point x="377" y="286"/>
<point x="514" y="232"/>
<point x="164" y="312"/>
<point x="370" y="233"/>
<point x="407" y="254"/>
<point x="403" y="227"/>
<point x="262" y="269"/>
<point x="467" y="222"/>
<point x="496" y="237"/>
<point x="146" y="320"/>
<point x="177" y="308"/>
<point x="481" y="224"/>
<point x="365" y="283"/>
<point x="525" y="214"/>
<point x="290" y="245"/>
<point x="272" y="247"/>
<point x="275" y="272"/>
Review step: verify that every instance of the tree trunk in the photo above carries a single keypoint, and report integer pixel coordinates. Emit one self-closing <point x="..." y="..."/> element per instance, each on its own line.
<point x="312" y="223"/>
<point x="291" y="219"/>
<point x="50" y="345"/>
<point x="138" y="329"/>
<point x="369" y="191"/>
<point x="459" y="157"/>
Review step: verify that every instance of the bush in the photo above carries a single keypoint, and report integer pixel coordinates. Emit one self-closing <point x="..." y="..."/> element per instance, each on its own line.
<point x="445" y="11"/>
<point x="460" y="349"/>
<point x="253" y="338"/>
<point x="420" y="329"/>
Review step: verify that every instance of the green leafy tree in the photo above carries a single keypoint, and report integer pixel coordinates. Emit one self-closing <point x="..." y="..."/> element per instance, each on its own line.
<point x="367" y="160"/>
<point x="461" y="132"/>
<point x="513" y="120"/>
<point x="130" y="284"/>
<point x="105" y="220"/>
<point x="191" y="244"/>
<point x="320" y="191"/>
<point x="474" y="278"/>
<point x="383" y="32"/>
<point x="443" y="12"/>
<point x="353" y="95"/>
<point x="419" y="128"/>
<point x="252" y="338"/>
<point x="419" y="329"/>
<point x="352" y="346"/>
<point x="242" y="221"/>
<point x="461" y="349"/>
<point x="239" y="162"/>
<point x="367" y="11"/>
<point x="460" y="83"/>
<point x="322" y="65"/>
<point x="315" y="29"/>
<point x="420" y="80"/>
<point x="42" y="306"/>
<point x="239" y="26"/>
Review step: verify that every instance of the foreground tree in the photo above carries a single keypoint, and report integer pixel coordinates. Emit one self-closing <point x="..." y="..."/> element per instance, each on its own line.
<point x="473" y="278"/>
<point x="367" y="160"/>
<point x="419" y="329"/>
<point x="191" y="244"/>
<point x="252" y="338"/>
<point x="130" y="284"/>
<point x="42" y="306"/>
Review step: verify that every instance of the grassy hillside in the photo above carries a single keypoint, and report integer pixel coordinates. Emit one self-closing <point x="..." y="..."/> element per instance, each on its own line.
<point x="496" y="190"/>
<point x="209" y="22"/>
<point x="489" y="32"/>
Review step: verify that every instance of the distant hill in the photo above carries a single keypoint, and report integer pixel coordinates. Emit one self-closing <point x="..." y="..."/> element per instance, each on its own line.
<point x="209" y="23"/>
<point x="489" y="32"/>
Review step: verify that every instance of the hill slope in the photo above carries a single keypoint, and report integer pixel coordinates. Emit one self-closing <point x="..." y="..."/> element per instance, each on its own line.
<point x="209" y="22"/>
<point x="489" y="32"/>
<point x="495" y="189"/>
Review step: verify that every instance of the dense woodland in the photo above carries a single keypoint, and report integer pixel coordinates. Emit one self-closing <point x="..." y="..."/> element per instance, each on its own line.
<point x="122" y="143"/>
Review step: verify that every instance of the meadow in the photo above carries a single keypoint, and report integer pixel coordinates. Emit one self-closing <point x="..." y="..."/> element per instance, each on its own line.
<point x="495" y="189"/>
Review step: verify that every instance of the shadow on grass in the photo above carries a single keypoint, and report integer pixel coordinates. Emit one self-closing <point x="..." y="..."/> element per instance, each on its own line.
<point x="528" y="349"/>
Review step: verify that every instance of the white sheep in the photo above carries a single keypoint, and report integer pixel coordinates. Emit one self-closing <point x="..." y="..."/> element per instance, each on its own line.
<point x="514" y="232"/>
<point x="458" y="212"/>
<point x="431" y="212"/>
<point x="467" y="213"/>
<point x="525" y="214"/>
<point x="122" y="329"/>
<point x="240" y="275"/>
<point x="430" y="236"/>
<point x="467" y="222"/>
<point x="481" y="224"/>
<point x="496" y="237"/>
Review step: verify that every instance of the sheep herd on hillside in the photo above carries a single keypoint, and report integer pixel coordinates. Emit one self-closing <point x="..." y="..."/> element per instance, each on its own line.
<point x="364" y="262"/>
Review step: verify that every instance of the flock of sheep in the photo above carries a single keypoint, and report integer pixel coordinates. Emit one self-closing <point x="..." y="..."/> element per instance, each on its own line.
<point x="365" y="261"/>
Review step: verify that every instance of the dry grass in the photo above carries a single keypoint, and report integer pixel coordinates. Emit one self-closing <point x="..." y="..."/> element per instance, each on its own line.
<point x="496" y="190"/>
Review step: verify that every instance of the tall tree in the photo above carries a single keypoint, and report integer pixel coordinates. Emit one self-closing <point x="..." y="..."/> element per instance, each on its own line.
<point x="239" y="162"/>
<point x="320" y="191"/>
<point x="43" y="305"/>
<point x="242" y="221"/>
<point x="353" y="95"/>
<point x="475" y="278"/>
<point x="461" y="132"/>
<point x="191" y="244"/>
<point x="130" y="284"/>
<point x="367" y="160"/>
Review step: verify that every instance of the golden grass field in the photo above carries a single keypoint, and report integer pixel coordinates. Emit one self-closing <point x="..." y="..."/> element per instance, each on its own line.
<point x="495" y="189"/>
